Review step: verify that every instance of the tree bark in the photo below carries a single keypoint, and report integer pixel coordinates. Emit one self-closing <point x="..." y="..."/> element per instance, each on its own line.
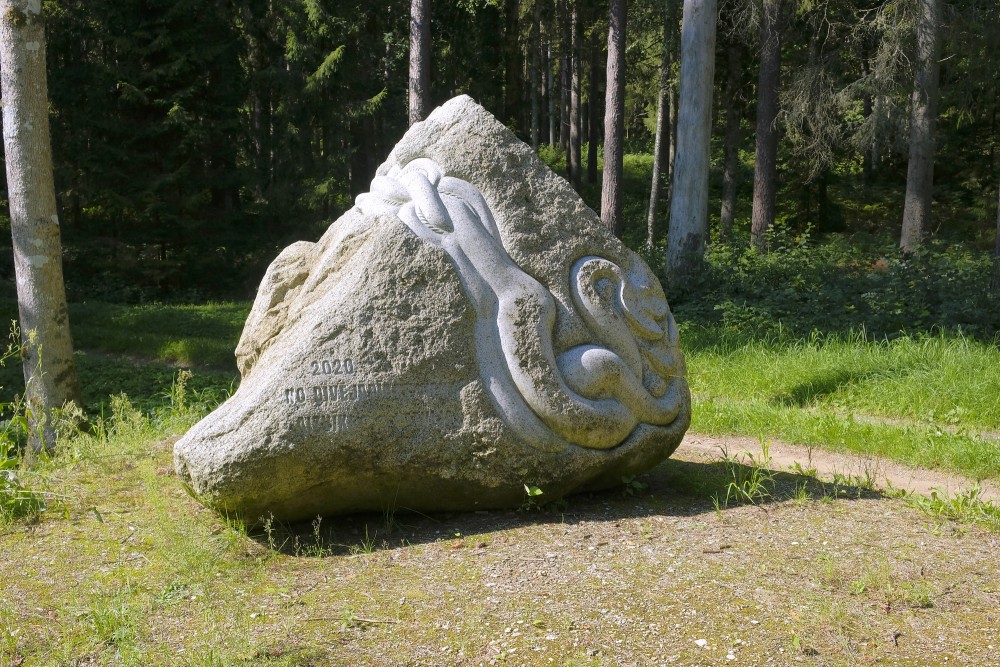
<point x="688" y="229"/>
<point x="996" y="251"/>
<point x="920" y="168"/>
<point x="553" y="96"/>
<point x="512" y="65"/>
<point x="594" y="116"/>
<point x="731" y="162"/>
<point x="766" y="155"/>
<point x="47" y="353"/>
<point x="575" y="138"/>
<point x="661" y="143"/>
<point x="673" y="135"/>
<point x="614" y="119"/>
<point x="564" y="77"/>
<point x="420" y="60"/>
<point x="535" y="74"/>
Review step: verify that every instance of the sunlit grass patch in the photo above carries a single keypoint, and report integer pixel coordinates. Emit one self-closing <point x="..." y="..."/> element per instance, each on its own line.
<point x="931" y="401"/>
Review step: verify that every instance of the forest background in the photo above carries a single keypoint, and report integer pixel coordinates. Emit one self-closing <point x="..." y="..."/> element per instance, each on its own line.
<point x="192" y="141"/>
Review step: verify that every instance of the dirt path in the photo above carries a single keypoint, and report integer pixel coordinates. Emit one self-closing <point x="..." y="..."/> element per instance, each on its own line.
<point x="784" y="456"/>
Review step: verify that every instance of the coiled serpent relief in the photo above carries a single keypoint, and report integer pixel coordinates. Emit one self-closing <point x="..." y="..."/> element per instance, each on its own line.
<point x="591" y="395"/>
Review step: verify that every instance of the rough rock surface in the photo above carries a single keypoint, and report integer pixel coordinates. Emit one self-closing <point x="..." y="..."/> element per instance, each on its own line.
<point x="467" y="329"/>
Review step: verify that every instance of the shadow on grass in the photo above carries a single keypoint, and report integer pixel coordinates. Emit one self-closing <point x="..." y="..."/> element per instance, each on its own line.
<point x="674" y="488"/>
<point x="804" y="394"/>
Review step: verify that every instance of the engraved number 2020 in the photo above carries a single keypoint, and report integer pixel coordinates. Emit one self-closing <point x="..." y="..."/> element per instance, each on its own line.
<point x="332" y="367"/>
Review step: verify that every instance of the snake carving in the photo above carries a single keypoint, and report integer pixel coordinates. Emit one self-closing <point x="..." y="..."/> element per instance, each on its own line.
<point x="592" y="395"/>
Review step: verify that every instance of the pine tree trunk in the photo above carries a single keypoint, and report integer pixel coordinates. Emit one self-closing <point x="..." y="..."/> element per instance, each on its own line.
<point x="673" y="138"/>
<point x="543" y="81"/>
<point x="614" y="120"/>
<point x="512" y="64"/>
<point x="535" y="75"/>
<point x="573" y="163"/>
<point x="594" y="117"/>
<point x="996" y="252"/>
<point x="688" y="229"/>
<point x="565" y="82"/>
<point x="661" y="143"/>
<point x="47" y="355"/>
<point x="766" y="156"/>
<point x="867" y="160"/>
<point x="731" y="162"/>
<point x="553" y="97"/>
<point x="920" y="168"/>
<point x="420" y="60"/>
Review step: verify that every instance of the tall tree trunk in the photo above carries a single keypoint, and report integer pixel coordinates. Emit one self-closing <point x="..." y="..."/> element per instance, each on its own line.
<point x="564" y="85"/>
<point x="573" y="163"/>
<point x="920" y="168"/>
<point x="661" y="144"/>
<point x="535" y="44"/>
<point x="565" y="81"/>
<point x="730" y="171"/>
<point x="614" y="120"/>
<point x="688" y="229"/>
<point x="674" y="104"/>
<point x="996" y="251"/>
<point x="543" y="82"/>
<point x="420" y="60"/>
<point x="867" y="160"/>
<point x="47" y="354"/>
<point x="512" y="64"/>
<point x="553" y="98"/>
<point x="766" y="155"/>
<point x="594" y="116"/>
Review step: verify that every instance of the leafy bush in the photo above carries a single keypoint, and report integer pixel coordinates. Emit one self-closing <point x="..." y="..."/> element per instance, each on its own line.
<point x="839" y="284"/>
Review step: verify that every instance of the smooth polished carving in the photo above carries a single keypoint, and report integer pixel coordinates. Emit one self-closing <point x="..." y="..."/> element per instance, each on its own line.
<point x="592" y="395"/>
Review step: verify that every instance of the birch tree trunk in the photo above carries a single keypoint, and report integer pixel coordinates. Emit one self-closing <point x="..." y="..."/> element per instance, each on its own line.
<point x="49" y="372"/>
<point x="661" y="143"/>
<point x="420" y="59"/>
<point x="614" y="120"/>
<point x="920" y="168"/>
<point x="688" y="229"/>
<point x="766" y="154"/>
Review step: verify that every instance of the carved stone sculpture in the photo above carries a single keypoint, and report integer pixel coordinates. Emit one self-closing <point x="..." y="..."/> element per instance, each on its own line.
<point x="467" y="329"/>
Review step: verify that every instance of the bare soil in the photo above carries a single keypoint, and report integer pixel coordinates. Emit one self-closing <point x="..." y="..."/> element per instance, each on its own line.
<point x="815" y="574"/>
<point x="829" y="465"/>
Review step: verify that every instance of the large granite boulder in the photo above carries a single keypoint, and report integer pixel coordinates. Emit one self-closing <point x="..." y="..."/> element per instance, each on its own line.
<point x="467" y="329"/>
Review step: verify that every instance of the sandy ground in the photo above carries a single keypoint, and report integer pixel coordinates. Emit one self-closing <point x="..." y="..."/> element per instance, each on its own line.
<point x="785" y="456"/>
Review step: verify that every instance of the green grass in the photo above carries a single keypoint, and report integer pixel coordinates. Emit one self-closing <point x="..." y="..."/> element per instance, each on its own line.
<point x="199" y="335"/>
<point x="931" y="402"/>
<point x="136" y="350"/>
<point x="190" y="335"/>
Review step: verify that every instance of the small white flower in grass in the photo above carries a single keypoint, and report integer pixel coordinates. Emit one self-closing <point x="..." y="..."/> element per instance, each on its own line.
<point x="701" y="642"/>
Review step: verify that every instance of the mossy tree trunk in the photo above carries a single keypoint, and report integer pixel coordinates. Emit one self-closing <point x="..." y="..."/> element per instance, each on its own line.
<point x="49" y="372"/>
